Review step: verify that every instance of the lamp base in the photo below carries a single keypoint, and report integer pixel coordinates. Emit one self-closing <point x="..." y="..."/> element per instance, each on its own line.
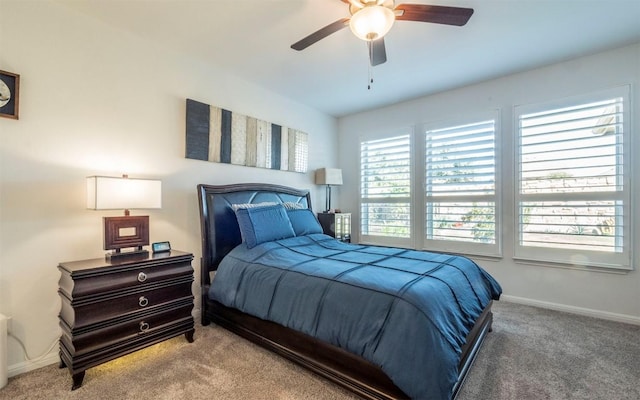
<point x="119" y="255"/>
<point x="126" y="232"/>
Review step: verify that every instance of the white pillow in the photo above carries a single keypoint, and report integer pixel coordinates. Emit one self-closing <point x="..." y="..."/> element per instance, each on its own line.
<point x="289" y="205"/>
<point x="237" y="207"/>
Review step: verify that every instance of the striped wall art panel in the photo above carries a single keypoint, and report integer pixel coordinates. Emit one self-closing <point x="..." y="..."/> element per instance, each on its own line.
<point x="218" y="135"/>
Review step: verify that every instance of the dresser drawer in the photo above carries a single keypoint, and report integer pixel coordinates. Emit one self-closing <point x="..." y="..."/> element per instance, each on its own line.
<point x="124" y="304"/>
<point x="85" y="281"/>
<point x="126" y="332"/>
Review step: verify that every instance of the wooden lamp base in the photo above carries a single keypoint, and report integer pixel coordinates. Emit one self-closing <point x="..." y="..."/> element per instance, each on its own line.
<point x="126" y="232"/>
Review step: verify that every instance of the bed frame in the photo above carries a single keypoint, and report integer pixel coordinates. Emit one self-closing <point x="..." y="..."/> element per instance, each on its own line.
<point x="220" y="234"/>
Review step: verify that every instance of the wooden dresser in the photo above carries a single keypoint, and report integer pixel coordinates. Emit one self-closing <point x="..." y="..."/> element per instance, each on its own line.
<point x="114" y="307"/>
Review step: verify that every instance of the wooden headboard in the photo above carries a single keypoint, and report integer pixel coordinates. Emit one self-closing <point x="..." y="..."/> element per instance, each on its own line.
<point x="220" y="231"/>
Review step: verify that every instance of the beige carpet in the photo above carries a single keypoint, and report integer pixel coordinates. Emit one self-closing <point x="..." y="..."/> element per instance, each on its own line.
<point x="531" y="354"/>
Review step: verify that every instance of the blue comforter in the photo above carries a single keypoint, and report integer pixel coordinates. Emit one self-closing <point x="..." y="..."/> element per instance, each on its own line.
<point x="406" y="311"/>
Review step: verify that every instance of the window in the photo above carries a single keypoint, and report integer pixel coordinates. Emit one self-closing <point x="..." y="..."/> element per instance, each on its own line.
<point x="573" y="181"/>
<point x="385" y="189"/>
<point x="447" y="204"/>
<point x="460" y="187"/>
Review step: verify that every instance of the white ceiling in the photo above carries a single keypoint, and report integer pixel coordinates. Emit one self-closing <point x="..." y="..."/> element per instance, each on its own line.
<point x="252" y="38"/>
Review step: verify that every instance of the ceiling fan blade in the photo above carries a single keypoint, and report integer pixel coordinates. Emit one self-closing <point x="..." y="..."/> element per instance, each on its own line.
<point x="377" y="52"/>
<point x="437" y="14"/>
<point x="320" y="34"/>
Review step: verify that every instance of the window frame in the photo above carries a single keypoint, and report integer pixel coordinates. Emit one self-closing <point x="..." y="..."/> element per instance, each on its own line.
<point x="390" y="240"/>
<point x="492" y="250"/>
<point x="568" y="257"/>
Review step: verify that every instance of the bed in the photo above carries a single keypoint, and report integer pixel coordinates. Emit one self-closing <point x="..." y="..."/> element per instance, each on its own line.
<point x="368" y="347"/>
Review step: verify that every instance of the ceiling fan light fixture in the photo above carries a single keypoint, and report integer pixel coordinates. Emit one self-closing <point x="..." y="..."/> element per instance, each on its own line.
<point x="372" y="22"/>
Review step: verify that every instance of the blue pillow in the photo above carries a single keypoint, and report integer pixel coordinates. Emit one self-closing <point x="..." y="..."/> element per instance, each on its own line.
<point x="264" y="224"/>
<point x="304" y="222"/>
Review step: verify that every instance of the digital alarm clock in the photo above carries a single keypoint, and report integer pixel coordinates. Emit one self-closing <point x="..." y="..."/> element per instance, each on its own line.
<point x="161" y="247"/>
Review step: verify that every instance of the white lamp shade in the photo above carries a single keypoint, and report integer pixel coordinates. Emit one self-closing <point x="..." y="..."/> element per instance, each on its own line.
<point x="108" y="193"/>
<point x="329" y="176"/>
<point x="372" y="22"/>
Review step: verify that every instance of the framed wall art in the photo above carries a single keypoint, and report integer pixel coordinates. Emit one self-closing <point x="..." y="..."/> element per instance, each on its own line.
<point x="218" y="135"/>
<point x="9" y="94"/>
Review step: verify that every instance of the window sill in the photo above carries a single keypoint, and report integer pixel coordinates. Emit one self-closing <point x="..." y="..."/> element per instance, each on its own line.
<point x="588" y="268"/>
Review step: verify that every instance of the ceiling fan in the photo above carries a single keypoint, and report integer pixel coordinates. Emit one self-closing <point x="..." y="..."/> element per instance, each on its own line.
<point x="371" y="19"/>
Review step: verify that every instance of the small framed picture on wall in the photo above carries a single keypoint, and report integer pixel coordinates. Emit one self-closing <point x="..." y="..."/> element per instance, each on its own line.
<point x="9" y="94"/>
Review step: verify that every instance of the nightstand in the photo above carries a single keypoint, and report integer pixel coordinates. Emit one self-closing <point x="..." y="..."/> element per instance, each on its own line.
<point x="337" y="225"/>
<point x="114" y="307"/>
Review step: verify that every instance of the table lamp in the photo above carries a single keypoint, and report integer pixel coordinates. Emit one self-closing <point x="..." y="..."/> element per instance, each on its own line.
<point x="328" y="176"/>
<point x="115" y="193"/>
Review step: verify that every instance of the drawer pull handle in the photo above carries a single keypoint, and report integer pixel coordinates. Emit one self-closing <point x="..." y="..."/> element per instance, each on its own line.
<point x="142" y="277"/>
<point x="144" y="326"/>
<point x="143" y="301"/>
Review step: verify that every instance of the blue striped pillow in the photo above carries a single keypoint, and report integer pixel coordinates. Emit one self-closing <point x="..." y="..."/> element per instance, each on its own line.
<point x="264" y="224"/>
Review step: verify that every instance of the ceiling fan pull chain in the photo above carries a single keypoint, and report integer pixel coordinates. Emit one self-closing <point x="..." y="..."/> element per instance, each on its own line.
<point x="370" y="71"/>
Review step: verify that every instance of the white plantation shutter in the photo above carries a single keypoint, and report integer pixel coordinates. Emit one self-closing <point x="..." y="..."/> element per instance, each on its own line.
<point x="460" y="187"/>
<point x="460" y="160"/>
<point x="385" y="188"/>
<point x="572" y="182"/>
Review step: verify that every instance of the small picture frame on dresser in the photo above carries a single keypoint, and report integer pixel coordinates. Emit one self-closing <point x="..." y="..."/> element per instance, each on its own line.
<point x="161" y="247"/>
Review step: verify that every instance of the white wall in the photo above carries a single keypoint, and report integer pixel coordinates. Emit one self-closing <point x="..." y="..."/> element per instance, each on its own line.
<point x="97" y="100"/>
<point x="615" y="296"/>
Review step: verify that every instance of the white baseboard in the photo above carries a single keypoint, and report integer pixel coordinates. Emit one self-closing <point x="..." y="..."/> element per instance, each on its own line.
<point x="26" y="366"/>
<point x="627" y="319"/>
